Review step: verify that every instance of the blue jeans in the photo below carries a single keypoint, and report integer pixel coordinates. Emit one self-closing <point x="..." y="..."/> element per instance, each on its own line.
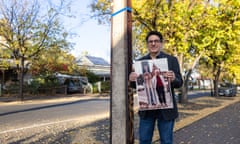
<point x="146" y="129"/>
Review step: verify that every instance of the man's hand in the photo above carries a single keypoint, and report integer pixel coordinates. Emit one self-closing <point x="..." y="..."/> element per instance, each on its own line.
<point x="170" y="75"/>
<point x="133" y="76"/>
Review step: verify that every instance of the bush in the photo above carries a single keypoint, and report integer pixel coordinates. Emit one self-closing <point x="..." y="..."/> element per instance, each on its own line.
<point x="42" y="84"/>
<point x="105" y="86"/>
<point x="34" y="86"/>
<point x="95" y="88"/>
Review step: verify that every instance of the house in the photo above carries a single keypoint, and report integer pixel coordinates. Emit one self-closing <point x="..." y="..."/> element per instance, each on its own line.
<point x="97" y="65"/>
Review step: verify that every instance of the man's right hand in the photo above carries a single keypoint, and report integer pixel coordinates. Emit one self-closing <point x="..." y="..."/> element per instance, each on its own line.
<point x="133" y="76"/>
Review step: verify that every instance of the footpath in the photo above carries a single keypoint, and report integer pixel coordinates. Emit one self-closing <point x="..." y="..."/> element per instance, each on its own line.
<point x="221" y="127"/>
<point x="208" y="120"/>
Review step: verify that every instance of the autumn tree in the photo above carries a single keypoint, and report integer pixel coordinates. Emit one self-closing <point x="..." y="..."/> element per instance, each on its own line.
<point x="177" y="22"/>
<point x="51" y="61"/>
<point x="221" y="39"/>
<point x="27" y="29"/>
<point x="192" y="30"/>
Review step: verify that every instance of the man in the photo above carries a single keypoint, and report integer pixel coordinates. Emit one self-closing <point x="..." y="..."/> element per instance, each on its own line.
<point x="165" y="117"/>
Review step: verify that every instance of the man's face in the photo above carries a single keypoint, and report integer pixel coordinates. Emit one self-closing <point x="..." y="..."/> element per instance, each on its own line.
<point x="154" y="44"/>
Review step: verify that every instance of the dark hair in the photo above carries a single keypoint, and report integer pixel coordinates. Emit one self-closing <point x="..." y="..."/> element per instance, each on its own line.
<point x="154" y="33"/>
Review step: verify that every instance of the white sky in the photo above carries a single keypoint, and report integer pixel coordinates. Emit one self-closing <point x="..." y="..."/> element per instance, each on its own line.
<point x="90" y="36"/>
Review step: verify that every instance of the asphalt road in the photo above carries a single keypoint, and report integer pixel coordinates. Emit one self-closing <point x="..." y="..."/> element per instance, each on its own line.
<point x="26" y="119"/>
<point x="33" y="121"/>
<point x="196" y="94"/>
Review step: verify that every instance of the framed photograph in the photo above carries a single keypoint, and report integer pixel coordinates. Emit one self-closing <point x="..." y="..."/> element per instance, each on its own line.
<point x="153" y="88"/>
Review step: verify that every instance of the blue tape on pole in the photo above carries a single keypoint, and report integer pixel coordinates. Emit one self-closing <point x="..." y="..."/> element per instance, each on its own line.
<point x="122" y="10"/>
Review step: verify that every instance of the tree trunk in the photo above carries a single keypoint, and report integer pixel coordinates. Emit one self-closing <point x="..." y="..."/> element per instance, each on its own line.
<point x="216" y="80"/>
<point x="21" y="79"/>
<point x="2" y="82"/>
<point x="183" y="95"/>
<point x="184" y="91"/>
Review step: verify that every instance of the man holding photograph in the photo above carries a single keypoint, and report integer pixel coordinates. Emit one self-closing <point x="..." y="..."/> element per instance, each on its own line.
<point x="165" y="117"/>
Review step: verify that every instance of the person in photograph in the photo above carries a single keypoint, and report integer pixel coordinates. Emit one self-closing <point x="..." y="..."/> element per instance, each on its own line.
<point x="168" y="88"/>
<point x="159" y="83"/>
<point x="165" y="117"/>
<point x="154" y="80"/>
<point x="143" y="100"/>
<point x="148" y="83"/>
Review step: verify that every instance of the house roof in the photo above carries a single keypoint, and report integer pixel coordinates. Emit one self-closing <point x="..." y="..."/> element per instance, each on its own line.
<point x="97" y="65"/>
<point x="91" y="60"/>
<point x="98" y="61"/>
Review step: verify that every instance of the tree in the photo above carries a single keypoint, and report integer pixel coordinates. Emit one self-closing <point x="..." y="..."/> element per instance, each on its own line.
<point x="92" y="78"/>
<point x="101" y="10"/>
<point x="53" y="60"/>
<point x="27" y="30"/>
<point x="224" y="39"/>
<point x="192" y="29"/>
<point x="177" y="21"/>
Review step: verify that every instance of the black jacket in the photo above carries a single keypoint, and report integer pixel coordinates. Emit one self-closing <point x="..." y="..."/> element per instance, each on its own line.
<point x="166" y="114"/>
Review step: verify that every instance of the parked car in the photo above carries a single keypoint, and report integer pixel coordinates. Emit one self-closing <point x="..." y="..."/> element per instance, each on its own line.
<point x="227" y="89"/>
<point x="73" y="85"/>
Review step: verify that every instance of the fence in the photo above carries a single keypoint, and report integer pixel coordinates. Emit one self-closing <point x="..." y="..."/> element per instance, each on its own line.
<point x="53" y="91"/>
